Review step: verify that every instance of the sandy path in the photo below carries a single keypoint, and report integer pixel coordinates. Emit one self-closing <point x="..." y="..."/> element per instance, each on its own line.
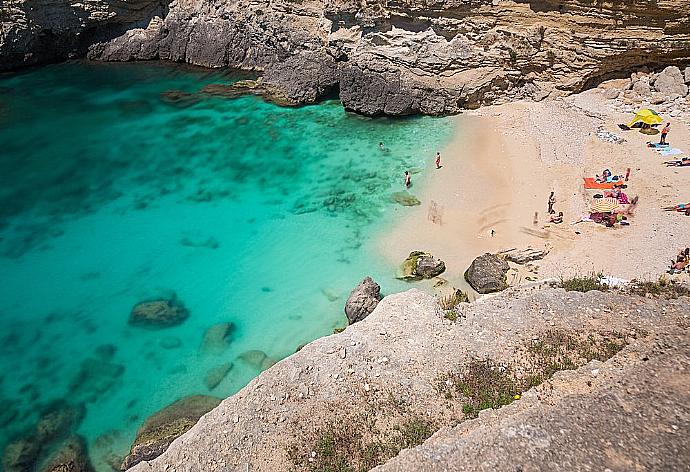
<point x="502" y="164"/>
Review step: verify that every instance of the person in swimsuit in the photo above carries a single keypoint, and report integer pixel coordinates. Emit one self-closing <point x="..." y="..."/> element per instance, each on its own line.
<point x="552" y="202"/>
<point x="382" y="147"/>
<point x="664" y="133"/>
<point x="408" y="179"/>
<point x="438" y="160"/>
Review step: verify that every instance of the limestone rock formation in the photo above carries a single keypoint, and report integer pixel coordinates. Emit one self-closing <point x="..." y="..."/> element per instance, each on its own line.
<point x="362" y="300"/>
<point x="402" y="349"/>
<point x="524" y="256"/>
<point x="420" y="265"/>
<point x="380" y="57"/>
<point x="71" y="456"/>
<point x="164" y="426"/>
<point x="158" y="313"/>
<point x="671" y="82"/>
<point x="487" y="273"/>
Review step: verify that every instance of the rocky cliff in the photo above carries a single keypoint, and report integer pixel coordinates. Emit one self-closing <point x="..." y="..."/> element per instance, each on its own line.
<point x="535" y="380"/>
<point x="381" y="56"/>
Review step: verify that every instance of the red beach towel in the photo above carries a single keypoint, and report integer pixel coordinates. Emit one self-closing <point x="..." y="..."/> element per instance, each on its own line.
<point x="591" y="183"/>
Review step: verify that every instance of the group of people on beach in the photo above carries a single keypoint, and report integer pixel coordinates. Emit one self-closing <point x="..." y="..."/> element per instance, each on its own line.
<point x="682" y="261"/>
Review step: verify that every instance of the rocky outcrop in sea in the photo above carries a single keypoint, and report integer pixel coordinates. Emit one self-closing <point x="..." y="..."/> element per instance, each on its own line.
<point x="380" y="57"/>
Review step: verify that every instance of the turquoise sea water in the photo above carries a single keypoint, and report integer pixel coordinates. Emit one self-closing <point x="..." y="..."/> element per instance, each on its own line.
<point x="246" y="212"/>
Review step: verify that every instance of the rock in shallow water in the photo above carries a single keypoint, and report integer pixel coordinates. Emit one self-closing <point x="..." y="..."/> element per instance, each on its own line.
<point x="94" y="379"/>
<point x="487" y="273"/>
<point x="420" y="265"/>
<point x="217" y="338"/>
<point x="158" y="313"/>
<point x="58" y="420"/>
<point x="20" y="455"/>
<point x="71" y="456"/>
<point x="362" y="300"/>
<point x="164" y="426"/>
<point x="216" y="375"/>
<point x="257" y="359"/>
<point x="405" y="199"/>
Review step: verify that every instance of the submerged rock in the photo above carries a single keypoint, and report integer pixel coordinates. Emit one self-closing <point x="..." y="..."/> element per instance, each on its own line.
<point x="20" y="455"/>
<point x="71" y="456"/>
<point x="257" y="359"/>
<point x="420" y="265"/>
<point x="216" y="375"/>
<point x="59" y="419"/>
<point x="158" y="313"/>
<point x="405" y="199"/>
<point x="217" y="338"/>
<point x="362" y="300"/>
<point x="179" y="98"/>
<point x="241" y="88"/>
<point x="170" y="342"/>
<point x="487" y="273"/>
<point x="94" y="379"/>
<point x="164" y="426"/>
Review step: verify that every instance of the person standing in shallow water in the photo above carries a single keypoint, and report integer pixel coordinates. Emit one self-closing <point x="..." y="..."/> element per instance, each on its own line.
<point x="664" y="133"/>
<point x="381" y="146"/>
<point x="408" y="179"/>
<point x="438" y="160"/>
<point x="552" y="202"/>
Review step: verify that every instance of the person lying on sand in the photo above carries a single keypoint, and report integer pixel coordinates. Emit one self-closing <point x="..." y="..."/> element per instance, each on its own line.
<point x="556" y="219"/>
<point x="679" y="207"/>
<point x="678" y="163"/>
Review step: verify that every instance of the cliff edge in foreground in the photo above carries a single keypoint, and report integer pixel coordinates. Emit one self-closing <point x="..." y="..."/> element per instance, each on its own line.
<point x="521" y="381"/>
<point x="433" y="57"/>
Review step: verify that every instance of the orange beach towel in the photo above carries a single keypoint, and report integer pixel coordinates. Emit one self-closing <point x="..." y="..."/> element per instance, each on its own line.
<point x="592" y="183"/>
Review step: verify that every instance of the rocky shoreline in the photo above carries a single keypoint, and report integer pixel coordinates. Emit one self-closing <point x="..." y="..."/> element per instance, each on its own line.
<point x="390" y="380"/>
<point x="394" y="59"/>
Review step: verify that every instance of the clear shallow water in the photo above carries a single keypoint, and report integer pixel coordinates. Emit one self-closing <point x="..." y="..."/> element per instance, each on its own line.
<point x="248" y="213"/>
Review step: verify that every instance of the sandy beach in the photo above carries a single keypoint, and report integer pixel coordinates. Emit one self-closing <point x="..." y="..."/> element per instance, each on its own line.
<point x="502" y="164"/>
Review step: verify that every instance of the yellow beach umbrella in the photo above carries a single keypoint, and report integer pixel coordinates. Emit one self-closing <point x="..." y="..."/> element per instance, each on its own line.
<point x="647" y="116"/>
<point x="604" y="205"/>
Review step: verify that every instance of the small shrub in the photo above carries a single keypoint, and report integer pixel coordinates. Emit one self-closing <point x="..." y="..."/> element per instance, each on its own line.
<point x="451" y="315"/>
<point x="454" y="299"/>
<point x="583" y="284"/>
<point x="662" y="288"/>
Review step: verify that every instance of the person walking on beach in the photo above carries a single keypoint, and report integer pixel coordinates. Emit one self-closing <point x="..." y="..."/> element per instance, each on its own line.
<point x="552" y="202"/>
<point x="408" y="179"/>
<point x="664" y="133"/>
<point x="438" y="160"/>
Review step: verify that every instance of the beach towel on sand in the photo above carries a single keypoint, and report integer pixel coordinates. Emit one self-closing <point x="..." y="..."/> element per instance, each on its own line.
<point x="669" y="152"/>
<point x="591" y="183"/>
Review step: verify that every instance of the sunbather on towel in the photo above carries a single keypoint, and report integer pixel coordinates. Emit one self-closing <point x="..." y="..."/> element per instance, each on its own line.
<point x="678" y="163"/>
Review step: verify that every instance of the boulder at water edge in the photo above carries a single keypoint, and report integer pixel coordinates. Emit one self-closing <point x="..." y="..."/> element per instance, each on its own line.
<point x="362" y="300"/>
<point x="420" y="265"/>
<point x="164" y="426"/>
<point x="487" y="273"/>
<point x="158" y="313"/>
<point x="70" y="456"/>
<point x="216" y="375"/>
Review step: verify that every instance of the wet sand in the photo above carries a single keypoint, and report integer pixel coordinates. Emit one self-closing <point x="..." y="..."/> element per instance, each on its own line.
<point x="499" y="170"/>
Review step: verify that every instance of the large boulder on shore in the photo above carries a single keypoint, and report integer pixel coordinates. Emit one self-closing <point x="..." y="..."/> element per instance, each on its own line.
<point x="487" y="273"/>
<point x="158" y="313"/>
<point x="70" y="456"/>
<point x="420" y="265"/>
<point x="362" y="300"/>
<point x="163" y="427"/>
<point x="670" y="81"/>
